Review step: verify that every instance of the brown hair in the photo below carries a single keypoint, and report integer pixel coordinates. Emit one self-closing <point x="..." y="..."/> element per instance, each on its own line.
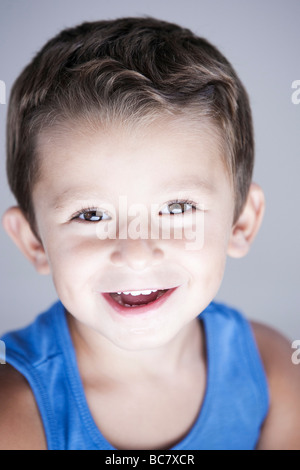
<point x="123" y="69"/>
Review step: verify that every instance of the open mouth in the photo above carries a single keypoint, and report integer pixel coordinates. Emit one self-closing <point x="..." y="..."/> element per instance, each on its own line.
<point x="139" y="301"/>
<point x="137" y="298"/>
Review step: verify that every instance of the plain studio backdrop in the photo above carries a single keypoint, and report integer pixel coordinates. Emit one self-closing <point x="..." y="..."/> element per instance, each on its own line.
<point x="261" y="39"/>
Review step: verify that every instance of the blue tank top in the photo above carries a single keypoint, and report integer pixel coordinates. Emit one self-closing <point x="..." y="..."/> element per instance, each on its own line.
<point x="235" y="403"/>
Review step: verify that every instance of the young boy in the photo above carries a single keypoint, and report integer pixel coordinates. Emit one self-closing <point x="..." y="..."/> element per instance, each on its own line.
<point x="130" y="154"/>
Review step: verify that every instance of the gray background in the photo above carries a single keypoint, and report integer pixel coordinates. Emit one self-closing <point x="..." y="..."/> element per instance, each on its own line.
<point x="261" y="39"/>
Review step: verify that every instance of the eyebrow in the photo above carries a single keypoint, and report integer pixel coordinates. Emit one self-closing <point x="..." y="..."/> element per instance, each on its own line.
<point x="72" y="194"/>
<point x="181" y="185"/>
<point x="190" y="182"/>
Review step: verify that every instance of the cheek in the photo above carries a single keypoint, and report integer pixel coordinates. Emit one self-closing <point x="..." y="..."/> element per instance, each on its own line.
<point x="75" y="259"/>
<point x="208" y="263"/>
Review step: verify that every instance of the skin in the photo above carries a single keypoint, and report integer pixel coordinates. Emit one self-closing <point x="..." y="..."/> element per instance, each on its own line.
<point x="157" y="358"/>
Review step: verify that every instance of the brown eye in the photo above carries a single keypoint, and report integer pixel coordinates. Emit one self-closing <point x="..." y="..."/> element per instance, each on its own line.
<point x="177" y="208"/>
<point x="92" y="216"/>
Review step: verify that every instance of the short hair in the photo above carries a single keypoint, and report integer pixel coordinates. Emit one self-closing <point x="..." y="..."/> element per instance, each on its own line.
<point x="125" y="70"/>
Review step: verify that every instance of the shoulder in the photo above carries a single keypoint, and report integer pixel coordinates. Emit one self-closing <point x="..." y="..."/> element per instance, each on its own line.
<point x="21" y="427"/>
<point x="281" y="429"/>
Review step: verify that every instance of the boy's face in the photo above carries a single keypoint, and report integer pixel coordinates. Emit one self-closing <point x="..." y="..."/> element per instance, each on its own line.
<point x="107" y="172"/>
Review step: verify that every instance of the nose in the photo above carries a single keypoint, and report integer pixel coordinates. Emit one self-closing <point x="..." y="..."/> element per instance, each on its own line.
<point x="137" y="254"/>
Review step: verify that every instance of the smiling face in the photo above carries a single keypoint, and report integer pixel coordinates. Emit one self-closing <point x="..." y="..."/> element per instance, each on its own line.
<point x="83" y="176"/>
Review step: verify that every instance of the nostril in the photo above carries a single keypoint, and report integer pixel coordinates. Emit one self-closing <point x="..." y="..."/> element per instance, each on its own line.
<point x="116" y="258"/>
<point x="136" y="257"/>
<point x="157" y="254"/>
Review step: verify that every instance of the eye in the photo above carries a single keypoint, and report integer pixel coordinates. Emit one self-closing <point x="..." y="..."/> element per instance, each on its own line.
<point x="91" y="215"/>
<point x="178" y="207"/>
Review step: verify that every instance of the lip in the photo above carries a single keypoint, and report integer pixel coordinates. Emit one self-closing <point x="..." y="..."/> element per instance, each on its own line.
<point x="151" y="307"/>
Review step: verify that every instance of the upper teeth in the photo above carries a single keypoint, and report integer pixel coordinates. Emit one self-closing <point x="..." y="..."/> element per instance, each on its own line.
<point x="138" y="292"/>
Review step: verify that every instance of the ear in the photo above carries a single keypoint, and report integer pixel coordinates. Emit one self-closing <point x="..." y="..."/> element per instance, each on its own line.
<point x="19" y="230"/>
<point x="248" y="223"/>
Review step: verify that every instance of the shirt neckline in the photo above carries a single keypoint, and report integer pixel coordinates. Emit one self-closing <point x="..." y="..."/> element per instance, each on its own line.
<point x="77" y="388"/>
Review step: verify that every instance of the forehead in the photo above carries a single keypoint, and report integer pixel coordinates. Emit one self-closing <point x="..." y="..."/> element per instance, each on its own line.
<point x="169" y="154"/>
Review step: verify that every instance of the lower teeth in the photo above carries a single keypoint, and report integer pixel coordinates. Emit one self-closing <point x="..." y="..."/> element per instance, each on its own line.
<point x="127" y="305"/>
<point x="138" y="305"/>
